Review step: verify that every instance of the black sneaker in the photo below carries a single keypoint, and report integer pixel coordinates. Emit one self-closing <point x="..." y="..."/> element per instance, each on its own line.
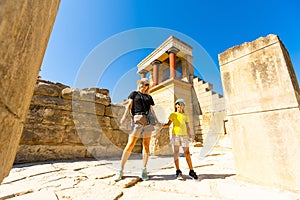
<point x="193" y="175"/>
<point x="179" y="175"/>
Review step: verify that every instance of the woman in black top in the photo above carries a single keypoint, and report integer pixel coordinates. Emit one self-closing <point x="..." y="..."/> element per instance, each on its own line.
<point x="139" y="104"/>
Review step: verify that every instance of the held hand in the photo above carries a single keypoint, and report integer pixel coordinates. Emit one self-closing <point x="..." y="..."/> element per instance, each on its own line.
<point x="165" y="125"/>
<point x="193" y="140"/>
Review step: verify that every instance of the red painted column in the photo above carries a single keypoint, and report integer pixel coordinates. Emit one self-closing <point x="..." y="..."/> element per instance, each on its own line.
<point x="172" y="61"/>
<point x="172" y="58"/>
<point x="155" y="65"/>
<point x="143" y="73"/>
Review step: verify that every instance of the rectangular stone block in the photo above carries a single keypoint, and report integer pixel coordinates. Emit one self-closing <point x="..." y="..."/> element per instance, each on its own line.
<point x="88" y="107"/>
<point x="71" y="136"/>
<point x="38" y="153"/>
<point x="60" y="117"/>
<point x="51" y="102"/>
<point x="42" y="134"/>
<point x="24" y="34"/>
<point x="256" y="76"/>
<point x="266" y="147"/>
<point x="8" y="142"/>
<point x="97" y="151"/>
<point x="89" y="135"/>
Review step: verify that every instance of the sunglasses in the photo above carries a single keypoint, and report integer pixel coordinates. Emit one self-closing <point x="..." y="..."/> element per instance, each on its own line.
<point x="144" y="83"/>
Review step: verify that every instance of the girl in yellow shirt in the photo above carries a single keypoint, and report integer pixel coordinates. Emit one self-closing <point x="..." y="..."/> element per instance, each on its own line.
<point x="181" y="137"/>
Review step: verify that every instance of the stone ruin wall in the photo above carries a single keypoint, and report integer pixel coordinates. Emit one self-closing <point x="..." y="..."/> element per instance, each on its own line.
<point x="52" y="133"/>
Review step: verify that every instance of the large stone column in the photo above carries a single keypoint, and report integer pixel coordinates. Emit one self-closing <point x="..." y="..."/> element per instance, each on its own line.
<point x="143" y="73"/>
<point x="25" y="28"/>
<point x="262" y="103"/>
<point x="155" y="65"/>
<point x="172" y="61"/>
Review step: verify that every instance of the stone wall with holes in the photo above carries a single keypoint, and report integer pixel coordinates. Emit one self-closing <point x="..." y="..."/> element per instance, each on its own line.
<point x="25" y="28"/>
<point x="65" y="123"/>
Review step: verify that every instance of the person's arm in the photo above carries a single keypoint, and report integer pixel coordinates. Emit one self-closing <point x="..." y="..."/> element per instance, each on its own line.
<point x="127" y="110"/>
<point x="167" y="125"/>
<point x="188" y="130"/>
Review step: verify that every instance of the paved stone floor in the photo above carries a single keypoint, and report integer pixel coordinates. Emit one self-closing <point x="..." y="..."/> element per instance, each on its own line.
<point x="93" y="179"/>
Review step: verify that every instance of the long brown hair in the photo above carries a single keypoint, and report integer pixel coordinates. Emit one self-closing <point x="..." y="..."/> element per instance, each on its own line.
<point x="176" y="108"/>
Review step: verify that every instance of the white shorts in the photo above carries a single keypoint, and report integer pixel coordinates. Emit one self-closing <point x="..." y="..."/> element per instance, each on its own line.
<point x="180" y="140"/>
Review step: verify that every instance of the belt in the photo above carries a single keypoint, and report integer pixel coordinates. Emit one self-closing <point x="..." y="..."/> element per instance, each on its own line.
<point x="140" y="113"/>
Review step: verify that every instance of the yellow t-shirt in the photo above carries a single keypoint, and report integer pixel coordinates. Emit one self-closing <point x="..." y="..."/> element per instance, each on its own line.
<point x="179" y="120"/>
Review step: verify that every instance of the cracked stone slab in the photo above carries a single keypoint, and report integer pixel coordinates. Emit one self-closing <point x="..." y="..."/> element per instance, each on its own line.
<point x="7" y="191"/>
<point x="97" y="172"/>
<point x="44" y="195"/>
<point x="98" y="191"/>
<point x="126" y="182"/>
<point x="145" y="193"/>
<point x="20" y="172"/>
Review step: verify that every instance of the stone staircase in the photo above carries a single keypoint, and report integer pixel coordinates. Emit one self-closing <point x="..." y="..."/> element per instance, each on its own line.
<point x="212" y="105"/>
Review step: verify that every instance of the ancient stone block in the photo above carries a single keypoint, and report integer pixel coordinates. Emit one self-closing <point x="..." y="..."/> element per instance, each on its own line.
<point x="87" y="94"/>
<point x="90" y="136"/>
<point x="24" y="32"/>
<point x="67" y="93"/>
<point x="262" y="103"/>
<point x="88" y="107"/>
<point x="60" y="117"/>
<point x="10" y="125"/>
<point x="114" y="123"/>
<point x="160" y="142"/>
<point x="267" y="147"/>
<point x="47" y="89"/>
<point x="98" y="151"/>
<point x="36" y="153"/>
<point x="255" y="77"/>
<point x="51" y="102"/>
<point x="85" y="120"/>
<point x="42" y="134"/>
<point x="71" y="136"/>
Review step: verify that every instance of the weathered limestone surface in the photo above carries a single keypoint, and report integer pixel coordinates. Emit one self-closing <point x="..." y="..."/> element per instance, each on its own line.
<point x="211" y="105"/>
<point x="67" y="123"/>
<point x="262" y="103"/>
<point x="25" y="28"/>
<point x="258" y="76"/>
<point x="90" y="179"/>
<point x="164" y="96"/>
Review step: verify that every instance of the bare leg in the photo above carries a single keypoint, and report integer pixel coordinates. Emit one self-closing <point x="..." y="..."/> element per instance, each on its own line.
<point x="176" y="156"/>
<point x="127" y="151"/>
<point x="146" y="150"/>
<point x="188" y="157"/>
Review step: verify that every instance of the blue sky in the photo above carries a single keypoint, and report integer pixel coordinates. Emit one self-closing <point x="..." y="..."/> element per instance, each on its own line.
<point x="83" y="27"/>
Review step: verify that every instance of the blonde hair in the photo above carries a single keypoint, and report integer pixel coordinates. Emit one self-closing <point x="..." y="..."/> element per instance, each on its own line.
<point x="146" y="91"/>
